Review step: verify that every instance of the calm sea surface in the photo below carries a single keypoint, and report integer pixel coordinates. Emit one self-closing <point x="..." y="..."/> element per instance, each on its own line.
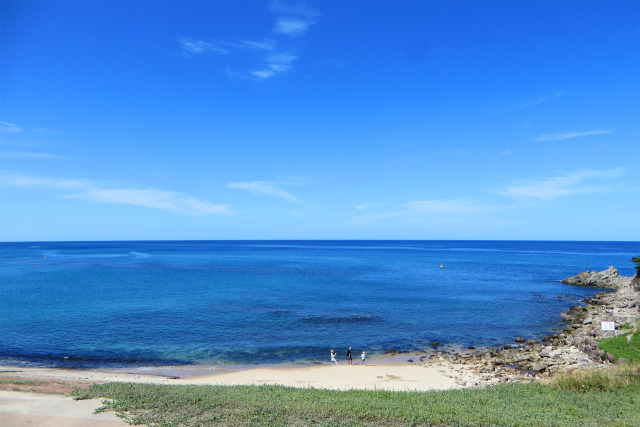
<point x="109" y="304"/>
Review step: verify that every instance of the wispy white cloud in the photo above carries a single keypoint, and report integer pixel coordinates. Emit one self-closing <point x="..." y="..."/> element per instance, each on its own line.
<point x="28" y="155"/>
<point x="293" y="17"/>
<point x="569" y="135"/>
<point x="292" y="20"/>
<point x="436" y="209"/>
<point x="109" y="192"/>
<point x="264" y="45"/>
<point x="9" y="127"/>
<point x="156" y="199"/>
<point x="197" y="47"/>
<point x="20" y="180"/>
<point x="542" y="99"/>
<point x="276" y="64"/>
<point x="292" y="26"/>
<point x="269" y="188"/>
<point x="566" y="184"/>
<point x="220" y="47"/>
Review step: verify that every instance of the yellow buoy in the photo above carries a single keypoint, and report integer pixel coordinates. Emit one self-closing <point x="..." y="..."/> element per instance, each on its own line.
<point x="441" y="265"/>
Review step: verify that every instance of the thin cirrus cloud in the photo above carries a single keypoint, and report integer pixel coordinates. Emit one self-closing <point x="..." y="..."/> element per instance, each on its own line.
<point x="567" y="184"/>
<point x="9" y="127"/>
<point x="292" y="20"/>
<point x="569" y="135"/>
<point x="276" y="64"/>
<point x="268" y="188"/>
<point x="273" y="63"/>
<point x="28" y="155"/>
<point x="542" y="99"/>
<point x="108" y="192"/>
<point x="292" y="26"/>
<point x="421" y="209"/>
<point x="197" y="47"/>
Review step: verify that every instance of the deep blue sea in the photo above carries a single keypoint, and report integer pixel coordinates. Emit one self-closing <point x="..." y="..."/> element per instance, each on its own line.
<point x="119" y="304"/>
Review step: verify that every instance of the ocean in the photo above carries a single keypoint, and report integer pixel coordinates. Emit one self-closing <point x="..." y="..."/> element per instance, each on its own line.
<point x="155" y="303"/>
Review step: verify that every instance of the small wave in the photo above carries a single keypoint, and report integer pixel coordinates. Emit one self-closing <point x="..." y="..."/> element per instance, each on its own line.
<point x="92" y="256"/>
<point x="139" y="254"/>
<point x="80" y="362"/>
<point x="359" y="318"/>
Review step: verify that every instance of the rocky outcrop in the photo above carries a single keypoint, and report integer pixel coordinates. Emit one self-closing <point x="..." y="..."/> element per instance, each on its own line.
<point x="574" y="347"/>
<point x="607" y="279"/>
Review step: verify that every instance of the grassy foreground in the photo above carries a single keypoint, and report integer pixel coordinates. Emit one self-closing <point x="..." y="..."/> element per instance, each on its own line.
<point x="624" y="346"/>
<point x="615" y="402"/>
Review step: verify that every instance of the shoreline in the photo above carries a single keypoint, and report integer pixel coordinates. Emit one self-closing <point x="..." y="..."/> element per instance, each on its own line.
<point x="574" y="347"/>
<point x="392" y="376"/>
<point x="197" y="370"/>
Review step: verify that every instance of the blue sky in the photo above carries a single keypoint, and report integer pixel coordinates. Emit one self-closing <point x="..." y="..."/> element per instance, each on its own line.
<point x="125" y="120"/>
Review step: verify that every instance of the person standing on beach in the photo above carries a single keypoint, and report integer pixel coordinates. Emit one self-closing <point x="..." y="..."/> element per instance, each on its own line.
<point x="333" y="357"/>
<point x="363" y="356"/>
<point x="349" y="356"/>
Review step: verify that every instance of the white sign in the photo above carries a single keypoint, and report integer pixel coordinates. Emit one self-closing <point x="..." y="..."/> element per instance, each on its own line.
<point x="608" y="326"/>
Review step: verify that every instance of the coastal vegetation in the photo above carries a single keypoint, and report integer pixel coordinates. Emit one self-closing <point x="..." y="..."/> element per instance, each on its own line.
<point x="617" y="378"/>
<point x="625" y="346"/>
<point x="602" y="397"/>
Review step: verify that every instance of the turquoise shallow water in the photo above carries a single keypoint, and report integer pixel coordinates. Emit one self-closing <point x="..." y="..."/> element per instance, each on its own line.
<point x="108" y="304"/>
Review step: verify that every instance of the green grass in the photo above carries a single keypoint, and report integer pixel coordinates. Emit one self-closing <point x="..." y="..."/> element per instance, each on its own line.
<point x="530" y="404"/>
<point x="624" y="346"/>
<point x="616" y="378"/>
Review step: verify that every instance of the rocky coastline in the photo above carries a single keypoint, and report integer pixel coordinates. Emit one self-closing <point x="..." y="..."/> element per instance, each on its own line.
<point x="574" y="347"/>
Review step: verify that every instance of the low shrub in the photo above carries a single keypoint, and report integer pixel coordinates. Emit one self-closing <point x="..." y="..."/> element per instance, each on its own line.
<point x="616" y="378"/>
<point x="510" y="405"/>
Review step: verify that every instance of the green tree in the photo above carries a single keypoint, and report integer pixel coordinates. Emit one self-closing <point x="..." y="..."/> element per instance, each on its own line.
<point x="636" y="260"/>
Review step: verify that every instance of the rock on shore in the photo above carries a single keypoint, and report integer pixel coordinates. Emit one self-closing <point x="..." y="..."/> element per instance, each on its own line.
<point x="607" y="279"/>
<point x="574" y="347"/>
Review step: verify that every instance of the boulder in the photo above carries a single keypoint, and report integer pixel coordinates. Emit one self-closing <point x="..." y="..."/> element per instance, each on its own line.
<point x="520" y="358"/>
<point x="607" y="279"/>
<point x="537" y="367"/>
<point x="545" y="353"/>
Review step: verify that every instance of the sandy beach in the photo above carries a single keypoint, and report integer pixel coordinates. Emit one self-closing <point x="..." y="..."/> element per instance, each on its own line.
<point x="398" y="376"/>
<point x="51" y="404"/>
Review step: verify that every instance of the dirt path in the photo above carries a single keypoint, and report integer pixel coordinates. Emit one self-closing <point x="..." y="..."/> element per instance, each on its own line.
<point x="19" y="409"/>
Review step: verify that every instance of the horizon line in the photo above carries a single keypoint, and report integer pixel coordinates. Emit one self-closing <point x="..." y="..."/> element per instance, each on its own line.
<point x="315" y="240"/>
